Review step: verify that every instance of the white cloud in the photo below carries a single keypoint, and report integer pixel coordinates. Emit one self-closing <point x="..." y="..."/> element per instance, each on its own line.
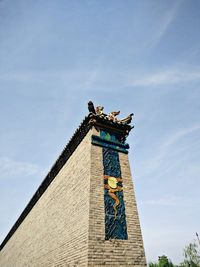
<point x="167" y="77"/>
<point x="172" y="139"/>
<point x="71" y="79"/>
<point x="164" y="24"/>
<point x="90" y="79"/>
<point x="165" y="147"/>
<point x="165" y="201"/>
<point x="10" y="167"/>
<point x="172" y="201"/>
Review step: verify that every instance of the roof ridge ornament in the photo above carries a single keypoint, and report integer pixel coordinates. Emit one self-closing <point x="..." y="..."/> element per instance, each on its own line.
<point x="112" y="116"/>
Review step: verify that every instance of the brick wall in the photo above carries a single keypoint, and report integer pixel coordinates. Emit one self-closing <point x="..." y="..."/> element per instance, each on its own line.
<point x="66" y="226"/>
<point x="113" y="252"/>
<point x="55" y="232"/>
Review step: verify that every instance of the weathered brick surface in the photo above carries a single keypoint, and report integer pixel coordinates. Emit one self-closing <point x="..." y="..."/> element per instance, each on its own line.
<point x="55" y="232"/>
<point x="66" y="226"/>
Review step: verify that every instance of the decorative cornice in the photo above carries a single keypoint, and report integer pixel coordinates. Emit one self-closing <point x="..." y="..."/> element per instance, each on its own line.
<point x="112" y="116"/>
<point x="102" y="122"/>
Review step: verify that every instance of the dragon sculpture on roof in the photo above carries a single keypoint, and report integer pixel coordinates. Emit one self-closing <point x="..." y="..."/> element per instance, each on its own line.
<point x="112" y="116"/>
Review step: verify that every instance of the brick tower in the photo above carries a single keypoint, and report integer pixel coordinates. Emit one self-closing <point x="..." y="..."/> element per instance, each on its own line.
<point x="84" y="213"/>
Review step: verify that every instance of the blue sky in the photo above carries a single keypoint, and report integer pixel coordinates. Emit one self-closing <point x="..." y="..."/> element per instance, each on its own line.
<point x="136" y="56"/>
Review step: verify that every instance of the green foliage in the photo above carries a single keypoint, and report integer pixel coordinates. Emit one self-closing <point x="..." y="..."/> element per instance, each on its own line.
<point x="163" y="261"/>
<point x="191" y="256"/>
<point x="153" y="264"/>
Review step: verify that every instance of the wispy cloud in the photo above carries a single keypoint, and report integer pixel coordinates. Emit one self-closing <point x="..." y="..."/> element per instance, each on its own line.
<point x="167" y="77"/>
<point x="165" y="23"/>
<point x="10" y="167"/>
<point x="164" y="201"/>
<point x="79" y="79"/>
<point x="172" y="201"/>
<point x="165" y="147"/>
<point x="178" y="135"/>
<point x="90" y="79"/>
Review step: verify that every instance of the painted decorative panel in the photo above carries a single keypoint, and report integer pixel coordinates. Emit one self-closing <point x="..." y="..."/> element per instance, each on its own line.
<point x="115" y="217"/>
